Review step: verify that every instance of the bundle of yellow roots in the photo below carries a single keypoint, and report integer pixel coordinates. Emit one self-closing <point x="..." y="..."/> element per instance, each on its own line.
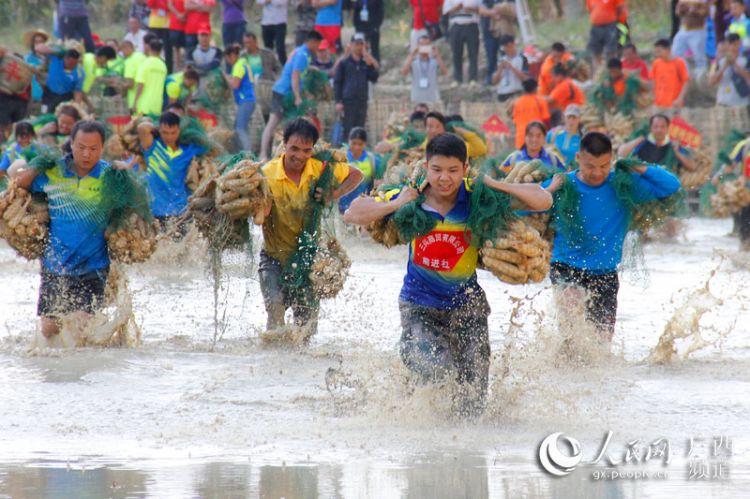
<point x="243" y="192"/>
<point x="402" y="164"/>
<point x="519" y="256"/>
<point x="702" y="174"/>
<point x="222" y="136"/>
<point x="24" y="221"/>
<point x="526" y="172"/>
<point x="619" y="128"/>
<point x="385" y="232"/>
<point x="133" y="242"/>
<point x="330" y="269"/>
<point x="731" y="197"/>
<point x="200" y="169"/>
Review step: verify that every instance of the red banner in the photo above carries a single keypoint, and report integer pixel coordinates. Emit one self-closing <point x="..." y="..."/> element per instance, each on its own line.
<point x="683" y="132"/>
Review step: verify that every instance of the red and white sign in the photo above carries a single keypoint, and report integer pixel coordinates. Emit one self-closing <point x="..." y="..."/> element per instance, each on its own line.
<point x="439" y="250"/>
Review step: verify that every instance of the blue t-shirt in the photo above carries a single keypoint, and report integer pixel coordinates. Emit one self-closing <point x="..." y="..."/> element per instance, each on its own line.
<point x="246" y="91"/>
<point x="61" y="81"/>
<point x="551" y="160"/>
<point x="369" y="165"/>
<point x="166" y="171"/>
<point x="77" y="219"/>
<point x="441" y="272"/>
<point x="298" y="61"/>
<point x="13" y="152"/>
<point x="566" y="144"/>
<point x="605" y="220"/>
<point x="36" y="87"/>
<point x="329" y="16"/>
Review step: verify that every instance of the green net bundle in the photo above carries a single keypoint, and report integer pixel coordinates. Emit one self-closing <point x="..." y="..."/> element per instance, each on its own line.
<point x="214" y="93"/>
<point x="604" y="97"/>
<point x="296" y="272"/>
<point x="644" y="214"/>
<point x="316" y="85"/>
<point x="124" y="193"/>
<point x="192" y="132"/>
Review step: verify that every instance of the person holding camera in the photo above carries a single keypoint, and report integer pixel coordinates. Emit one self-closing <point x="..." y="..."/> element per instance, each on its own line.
<point x="512" y="70"/>
<point x="731" y="75"/>
<point x="423" y="64"/>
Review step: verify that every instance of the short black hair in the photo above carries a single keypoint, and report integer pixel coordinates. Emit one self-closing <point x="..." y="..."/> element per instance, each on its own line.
<point x="529" y="85"/>
<point x="24" y="129"/>
<point x="155" y="45"/>
<point x="150" y="35"/>
<point x="303" y="129"/>
<point x="250" y="34"/>
<point x="71" y="111"/>
<point x="448" y="145"/>
<point x="437" y="115"/>
<point x="559" y="70"/>
<point x="232" y="49"/>
<point x="733" y="37"/>
<point x="417" y="116"/>
<point x="191" y="73"/>
<point x="614" y="63"/>
<point x="358" y="133"/>
<point x="88" y="126"/>
<point x="658" y="116"/>
<point x="596" y="143"/>
<point x="106" y="52"/>
<point x="506" y="39"/>
<point x="169" y="118"/>
<point x="663" y="43"/>
<point x="630" y="46"/>
<point x="175" y="105"/>
<point x="558" y="47"/>
<point x="73" y="54"/>
<point x="314" y="35"/>
<point x="454" y="117"/>
<point x="535" y="124"/>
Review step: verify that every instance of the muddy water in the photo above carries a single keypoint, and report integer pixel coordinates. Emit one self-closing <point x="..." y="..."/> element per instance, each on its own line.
<point x="190" y="415"/>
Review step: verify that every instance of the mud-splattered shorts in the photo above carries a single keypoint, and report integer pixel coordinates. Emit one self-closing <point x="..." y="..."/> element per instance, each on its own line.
<point x="436" y="342"/>
<point x="63" y="294"/>
<point x="601" y="292"/>
<point x="274" y="293"/>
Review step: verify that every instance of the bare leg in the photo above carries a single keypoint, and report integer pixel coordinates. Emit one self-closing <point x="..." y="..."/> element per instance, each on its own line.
<point x="50" y="327"/>
<point x="275" y="314"/>
<point x="267" y="139"/>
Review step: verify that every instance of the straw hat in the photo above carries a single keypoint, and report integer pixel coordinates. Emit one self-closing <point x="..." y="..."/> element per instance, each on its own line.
<point x="74" y="45"/>
<point x="28" y="36"/>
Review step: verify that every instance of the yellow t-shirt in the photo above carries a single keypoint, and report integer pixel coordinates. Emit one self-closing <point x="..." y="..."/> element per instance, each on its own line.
<point x="282" y="228"/>
<point x="475" y="146"/>
<point x="131" y="65"/>
<point x="89" y="69"/>
<point x="152" y="73"/>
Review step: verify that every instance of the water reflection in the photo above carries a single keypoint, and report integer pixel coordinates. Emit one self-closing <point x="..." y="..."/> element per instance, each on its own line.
<point x="433" y="476"/>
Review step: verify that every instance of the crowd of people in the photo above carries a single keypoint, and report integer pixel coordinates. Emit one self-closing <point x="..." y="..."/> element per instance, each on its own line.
<point x="162" y="63"/>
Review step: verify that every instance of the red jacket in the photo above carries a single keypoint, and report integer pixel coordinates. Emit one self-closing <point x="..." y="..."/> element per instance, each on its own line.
<point x="426" y="10"/>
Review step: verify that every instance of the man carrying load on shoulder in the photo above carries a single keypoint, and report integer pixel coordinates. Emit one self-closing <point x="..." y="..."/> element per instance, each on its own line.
<point x="443" y="309"/>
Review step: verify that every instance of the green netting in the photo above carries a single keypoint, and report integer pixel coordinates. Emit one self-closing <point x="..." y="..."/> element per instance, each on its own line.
<point x="643" y="213"/>
<point x="123" y="193"/>
<point x="213" y="95"/>
<point x="490" y="213"/>
<point x="46" y="159"/>
<point x="296" y="272"/>
<point x="315" y="84"/>
<point x="451" y="127"/>
<point x="412" y="138"/>
<point x="193" y="133"/>
<point x="42" y="120"/>
<point x="603" y="97"/>
<point x="412" y="221"/>
<point x="728" y="144"/>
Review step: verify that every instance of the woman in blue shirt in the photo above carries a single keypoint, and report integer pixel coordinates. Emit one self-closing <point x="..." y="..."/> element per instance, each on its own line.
<point x="567" y="140"/>
<point x="357" y="155"/>
<point x="533" y="148"/>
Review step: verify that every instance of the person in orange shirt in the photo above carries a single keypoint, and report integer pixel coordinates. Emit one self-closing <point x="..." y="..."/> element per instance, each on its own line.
<point x="603" y="37"/>
<point x="669" y="75"/>
<point x="557" y="56"/>
<point x="527" y="108"/>
<point x="564" y="93"/>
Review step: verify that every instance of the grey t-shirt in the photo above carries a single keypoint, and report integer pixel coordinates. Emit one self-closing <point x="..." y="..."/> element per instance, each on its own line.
<point x="424" y="80"/>
<point x="727" y="94"/>
<point x="510" y="82"/>
<point x="72" y="8"/>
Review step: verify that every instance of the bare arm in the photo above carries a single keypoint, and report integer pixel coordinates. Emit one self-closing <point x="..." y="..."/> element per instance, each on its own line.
<point x="365" y="210"/>
<point x="686" y="161"/>
<point x="350" y="183"/>
<point x="532" y="195"/>
<point x="138" y="92"/>
<point x="716" y="76"/>
<point x="627" y="148"/>
<point x="406" y="68"/>
<point x="296" y="88"/>
<point x="24" y="177"/>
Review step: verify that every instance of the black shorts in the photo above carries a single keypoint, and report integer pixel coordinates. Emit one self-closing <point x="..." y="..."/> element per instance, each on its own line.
<point x="52" y="100"/>
<point x="601" y="292"/>
<point x="12" y="109"/>
<point x="177" y="38"/>
<point x="63" y="294"/>
<point x="277" y="104"/>
<point x="603" y="38"/>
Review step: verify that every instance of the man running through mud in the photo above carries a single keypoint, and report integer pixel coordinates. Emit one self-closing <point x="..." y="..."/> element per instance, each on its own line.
<point x="443" y="309"/>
